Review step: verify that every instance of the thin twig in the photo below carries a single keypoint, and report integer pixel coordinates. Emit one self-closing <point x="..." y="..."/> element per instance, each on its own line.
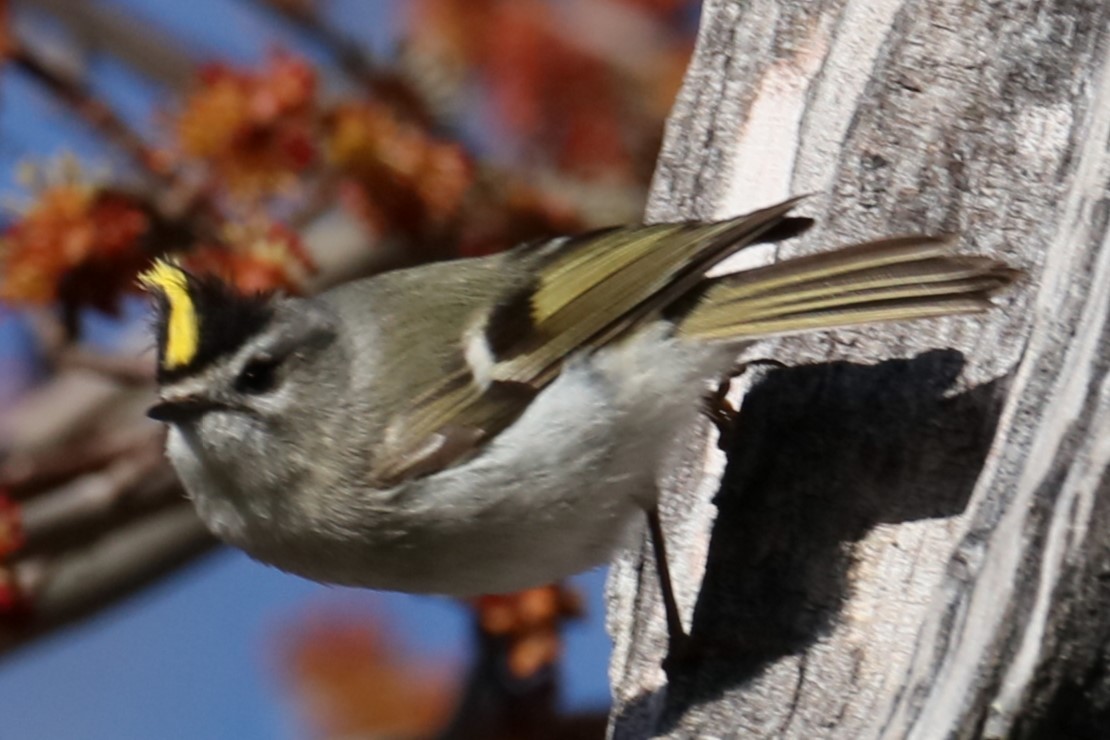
<point x="135" y="371"/>
<point x="94" y="111"/>
<point x="185" y="208"/>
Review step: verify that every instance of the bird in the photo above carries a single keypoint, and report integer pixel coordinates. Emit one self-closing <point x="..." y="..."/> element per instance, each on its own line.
<point x="494" y="423"/>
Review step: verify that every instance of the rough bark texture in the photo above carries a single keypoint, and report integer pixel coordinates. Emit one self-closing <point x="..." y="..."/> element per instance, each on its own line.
<point x="911" y="537"/>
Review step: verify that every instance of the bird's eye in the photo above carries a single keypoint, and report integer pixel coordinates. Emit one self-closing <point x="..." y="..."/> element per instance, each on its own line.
<point x="259" y="376"/>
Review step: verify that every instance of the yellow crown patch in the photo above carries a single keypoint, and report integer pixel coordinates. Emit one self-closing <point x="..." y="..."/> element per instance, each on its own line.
<point x="182" y="332"/>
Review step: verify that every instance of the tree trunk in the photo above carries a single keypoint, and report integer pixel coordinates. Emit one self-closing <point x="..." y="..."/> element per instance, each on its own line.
<point x="911" y="536"/>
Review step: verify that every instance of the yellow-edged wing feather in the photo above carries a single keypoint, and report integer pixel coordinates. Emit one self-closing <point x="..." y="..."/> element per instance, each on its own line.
<point x="594" y="290"/>
<point x="586" y="292"/>
<point x="583" y="292"/>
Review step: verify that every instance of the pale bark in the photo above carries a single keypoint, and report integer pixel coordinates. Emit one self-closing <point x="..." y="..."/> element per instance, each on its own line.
<point x="912" y="536"/>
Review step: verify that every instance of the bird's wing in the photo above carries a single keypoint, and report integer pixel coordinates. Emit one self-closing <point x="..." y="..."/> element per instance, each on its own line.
<point x="583" y="292"/>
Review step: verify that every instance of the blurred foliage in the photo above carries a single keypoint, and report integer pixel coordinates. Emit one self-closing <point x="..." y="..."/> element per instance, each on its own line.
<point x="265" y="145"/>
<point x="528" y="624"/>
<point x="496" y="121"/>
<point x="351" y="679"/>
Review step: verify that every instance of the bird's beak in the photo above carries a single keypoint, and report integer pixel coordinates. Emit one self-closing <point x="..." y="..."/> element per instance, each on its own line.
<point x="179" y="410"/>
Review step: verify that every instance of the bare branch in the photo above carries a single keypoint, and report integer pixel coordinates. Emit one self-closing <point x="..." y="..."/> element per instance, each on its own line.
<point x="105" y="29"/>
<point x="93" y="504"/>
<point x="94" y="111"/>
<point x="62" y="590"/>
<point x="134" y="371"/>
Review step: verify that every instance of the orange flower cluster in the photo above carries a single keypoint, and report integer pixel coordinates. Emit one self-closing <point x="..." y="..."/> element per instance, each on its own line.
<point x="78" y="244"/>
<point x="11" y="526"/>
<point x="549" y="91"/>
<point x="259" y="131"/>
<point x="256" y="133"/>
<point x="353" y="682"/>
<point x="408" y="181"/>
<point x="529" y="621"/>
<point x="255" y="129"/>
<point x="7" y="42"/>
<point x="501" y="214"/>
<point x="588" y="108"/>
<point x="256" y="257"/>
<point x="13" y="603"/>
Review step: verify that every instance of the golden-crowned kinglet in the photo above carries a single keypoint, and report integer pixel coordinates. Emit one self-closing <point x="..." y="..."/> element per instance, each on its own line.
<point x="494" y="423"/>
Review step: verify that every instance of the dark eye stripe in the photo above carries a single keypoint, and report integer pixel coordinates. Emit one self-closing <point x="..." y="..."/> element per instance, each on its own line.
<point x="258" y="376"/>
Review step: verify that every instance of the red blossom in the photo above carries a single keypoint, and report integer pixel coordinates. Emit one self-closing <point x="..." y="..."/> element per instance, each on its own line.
<point x="498" y="218"/>
<point x="554" y="93"/>
<point x="11" y="526"/>
<point x="255" y="129"/>
<point x="78" y="244"/>
<point x="256" y="257"/>
<point x="405" y="182"/>
<point x="529" y="620"/>
<point x="587" y="109"/>
<point x="7" y="41"/>
<point x="14" y="604"/>
<point x="351" y="680"/>
<point x="410" y="181"/>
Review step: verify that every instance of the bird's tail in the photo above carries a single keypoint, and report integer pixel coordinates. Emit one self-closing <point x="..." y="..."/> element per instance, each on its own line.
<point x="885" y="280"/>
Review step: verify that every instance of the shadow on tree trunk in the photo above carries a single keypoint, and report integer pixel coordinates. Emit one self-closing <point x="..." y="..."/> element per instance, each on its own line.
<point x="821" y="455"/>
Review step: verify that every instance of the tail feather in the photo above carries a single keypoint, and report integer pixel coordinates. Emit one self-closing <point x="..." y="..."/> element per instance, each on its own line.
<point x="885" y="280"/>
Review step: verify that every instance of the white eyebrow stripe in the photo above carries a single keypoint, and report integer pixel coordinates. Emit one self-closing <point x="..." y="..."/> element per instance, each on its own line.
<point x="190" y="386"/>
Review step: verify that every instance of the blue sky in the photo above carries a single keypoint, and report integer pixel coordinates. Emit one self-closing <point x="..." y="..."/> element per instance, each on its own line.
<point x="193" y="657"/>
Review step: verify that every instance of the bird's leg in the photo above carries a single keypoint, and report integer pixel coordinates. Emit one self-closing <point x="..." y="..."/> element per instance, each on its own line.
<point x="716" y="406"/>
<point x="722" y="413"/>
<point x="678" y="642"/>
